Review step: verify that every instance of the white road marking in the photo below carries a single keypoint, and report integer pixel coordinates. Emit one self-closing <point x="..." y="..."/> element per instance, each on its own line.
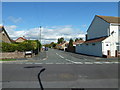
<point x="97" y="62"/>
<point x="115" y="62"/>
<point x="38" y="63"/>
<point x="73" y="61"/>
<point x="61" y="56"/>
<point x="59" y="63"/>
<point x="88" y="62"/>
<point x="28" y="63"/>
<point x="49" y="63"/>
<point x="107" y="62"/>
<point x="69" y="60"/>
<point x="78" y="62"/>
<point x="56" y="53"/>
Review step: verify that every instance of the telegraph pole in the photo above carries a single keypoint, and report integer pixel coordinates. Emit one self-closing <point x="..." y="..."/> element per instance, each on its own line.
<point x="40" y="36"/>
<point x="39" y="40"/>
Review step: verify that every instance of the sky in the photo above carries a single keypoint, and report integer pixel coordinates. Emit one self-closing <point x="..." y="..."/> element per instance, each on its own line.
<point x="57" y="19"/>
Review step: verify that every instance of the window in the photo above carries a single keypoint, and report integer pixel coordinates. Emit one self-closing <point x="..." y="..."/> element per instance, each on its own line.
<point x="107" y="45"/>
<point x="93" y="44"/>
<point x="112" y="32"/>
<point x="86" y="44"/>
<point x="117" y="43"/>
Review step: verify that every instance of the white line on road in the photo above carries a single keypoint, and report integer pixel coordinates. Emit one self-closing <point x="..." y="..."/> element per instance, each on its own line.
<point x="49" y="63"/>
<point x="56" y="53"/>
<point x="88" y="63"/>
<point x="60" y="63"/>
<point x="107" y="62"/>
<point x="73" y="61"/>
<point x="98" y="63"/>
<point x="61" y="56"/>
<point x="38" y="63"/>
<point x="78" y="62"/>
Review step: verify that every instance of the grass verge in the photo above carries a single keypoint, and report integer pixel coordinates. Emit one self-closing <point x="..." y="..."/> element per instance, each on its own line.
<point x="7" y="59"/>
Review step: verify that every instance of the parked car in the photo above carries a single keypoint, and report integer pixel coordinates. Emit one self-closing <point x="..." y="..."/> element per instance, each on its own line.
<point x="46" y="48"/>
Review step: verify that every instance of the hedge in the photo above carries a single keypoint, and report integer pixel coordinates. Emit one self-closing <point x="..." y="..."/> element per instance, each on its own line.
<point x="23" y="46"/>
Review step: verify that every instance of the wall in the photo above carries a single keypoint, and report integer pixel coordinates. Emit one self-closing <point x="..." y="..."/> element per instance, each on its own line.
<point x="95" y="50"/>
<point x="3" y="37"/>
<point x="98" y="28"/>
<point x="20" y="40"/>
<point x="112" y="41"/>
<point x="11" y="55"/>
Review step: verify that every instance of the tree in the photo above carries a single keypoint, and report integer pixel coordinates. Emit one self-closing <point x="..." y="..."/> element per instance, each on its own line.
<point x="60" y="40"/>
<point x="80" y="38"/>
<point x="76" y="39"/>
<point x="70" y="43"/>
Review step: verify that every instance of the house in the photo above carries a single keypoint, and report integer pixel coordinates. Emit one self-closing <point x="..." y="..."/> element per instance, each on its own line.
<point x="78" y="42"/>
<point x="20" y="39"/>
<point x="102" y="37"/>
<point x="4" y="37"/>
<point x="72" y="49"/>
<point x="62" y="46"/>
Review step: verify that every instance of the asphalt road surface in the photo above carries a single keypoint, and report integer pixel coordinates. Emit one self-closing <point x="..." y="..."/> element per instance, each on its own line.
<point x="62" y="71"/>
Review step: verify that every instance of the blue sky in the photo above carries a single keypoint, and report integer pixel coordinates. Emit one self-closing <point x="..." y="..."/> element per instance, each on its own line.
<point x="54" y="17"/>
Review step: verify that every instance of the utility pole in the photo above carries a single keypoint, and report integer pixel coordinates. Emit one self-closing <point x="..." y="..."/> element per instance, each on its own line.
<point x="39" y="40"/>
<point x="40" y="36"/>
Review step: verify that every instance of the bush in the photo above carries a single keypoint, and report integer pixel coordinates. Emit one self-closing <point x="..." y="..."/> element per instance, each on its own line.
<point x="7" y="47"/>
<point x="23" y="46"/>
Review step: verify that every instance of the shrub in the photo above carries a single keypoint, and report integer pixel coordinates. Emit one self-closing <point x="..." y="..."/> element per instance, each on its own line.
<point x="23" y="46"/>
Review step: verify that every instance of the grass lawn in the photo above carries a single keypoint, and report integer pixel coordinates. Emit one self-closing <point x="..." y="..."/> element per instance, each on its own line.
<point x="7" y="59"/>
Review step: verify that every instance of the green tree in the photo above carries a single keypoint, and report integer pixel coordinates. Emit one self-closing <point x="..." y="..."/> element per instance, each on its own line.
<point x="76" y="39"/>
<point x="70" y="43"/>
<point x="60" y="40"/>
<point x="80" y="38"/>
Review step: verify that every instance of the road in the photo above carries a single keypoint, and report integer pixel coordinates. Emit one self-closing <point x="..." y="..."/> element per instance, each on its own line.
<point x="63" y="70"/>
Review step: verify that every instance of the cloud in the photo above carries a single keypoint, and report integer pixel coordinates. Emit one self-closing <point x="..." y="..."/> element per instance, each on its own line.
<point x="84" y="26"/>
<point x="48" y="34"/>
<point x="15" y="20"/>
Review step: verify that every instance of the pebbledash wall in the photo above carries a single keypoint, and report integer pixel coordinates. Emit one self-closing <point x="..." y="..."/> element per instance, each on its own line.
<point x="90" y="49"/>
<point x="12" y="55"/>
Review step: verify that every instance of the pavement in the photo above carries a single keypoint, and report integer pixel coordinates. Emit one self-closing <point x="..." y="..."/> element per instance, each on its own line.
<point x="64" y="70"/>
<point x="53" y="56"/>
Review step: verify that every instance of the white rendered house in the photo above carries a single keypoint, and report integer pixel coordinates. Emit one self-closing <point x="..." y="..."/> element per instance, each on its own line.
<point x="102" y="37"/>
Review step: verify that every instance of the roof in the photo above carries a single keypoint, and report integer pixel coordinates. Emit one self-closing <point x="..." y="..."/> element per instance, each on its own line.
<point x="62" y="44"/>
<point x="78" y="42"/>
<point x="20" y="38"/>
<point x="95" y="40"/>
<point x="110" y="19"/>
